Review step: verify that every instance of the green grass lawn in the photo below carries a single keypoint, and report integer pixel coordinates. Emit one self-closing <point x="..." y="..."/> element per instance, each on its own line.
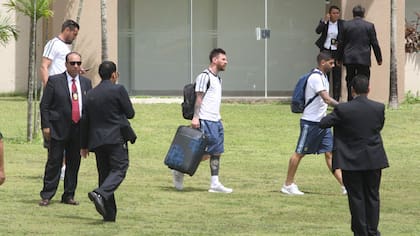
<point x="259" y="140"/>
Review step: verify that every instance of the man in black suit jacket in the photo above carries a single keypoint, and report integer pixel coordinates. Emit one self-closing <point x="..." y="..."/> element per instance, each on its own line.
<point x="104" y="120"/>
<point x="61" y="108"/>
<point x="359" y="153"/>
<point x="330" y="29"/>
<point x="357" y="39"/>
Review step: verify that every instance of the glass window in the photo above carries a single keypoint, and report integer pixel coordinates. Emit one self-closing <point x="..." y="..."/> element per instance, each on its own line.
<point x="165" y="44"/>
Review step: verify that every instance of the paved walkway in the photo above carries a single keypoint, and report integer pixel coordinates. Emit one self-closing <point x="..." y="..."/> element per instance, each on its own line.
<point x="178" y="100"/>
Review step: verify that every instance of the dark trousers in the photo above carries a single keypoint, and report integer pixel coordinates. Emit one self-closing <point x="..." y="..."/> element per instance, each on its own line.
<point x="363" y="196"/>
<point x="56" y="149"/>
<point x="335" y="76"/>
<point x="336" y="82"/>
<point x="352" y="70"/>
<point x="112" y="165"/>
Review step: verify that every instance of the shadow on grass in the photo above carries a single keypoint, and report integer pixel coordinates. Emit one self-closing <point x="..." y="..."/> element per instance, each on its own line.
<point x="15" y="140"/>
<point x="87" y="220"/>
<point x="187" y="189"/>
<point x="29" y="177"/>
<point x="311" y="193"/>
<point x="12" y="98"/>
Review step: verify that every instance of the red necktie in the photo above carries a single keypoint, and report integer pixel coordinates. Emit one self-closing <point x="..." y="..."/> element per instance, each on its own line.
<point x="75" y="112"/>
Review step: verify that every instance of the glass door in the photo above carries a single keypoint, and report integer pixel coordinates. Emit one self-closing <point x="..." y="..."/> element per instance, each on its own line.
<point x="236" y="29"/>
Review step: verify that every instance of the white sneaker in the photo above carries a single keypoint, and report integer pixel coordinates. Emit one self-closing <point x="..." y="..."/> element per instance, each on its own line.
<point x="63" y="172"/>
<point x="343" y="190"/>
<point x="219" y="188"/>
<point x="291" y="189"/>
<point x="178" y="179"/>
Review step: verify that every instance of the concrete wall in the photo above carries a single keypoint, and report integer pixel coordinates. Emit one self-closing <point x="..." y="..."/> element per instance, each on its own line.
<point x="14" y="55"/>
<point x="412" y="73"/>
<point x="14" y="60"/>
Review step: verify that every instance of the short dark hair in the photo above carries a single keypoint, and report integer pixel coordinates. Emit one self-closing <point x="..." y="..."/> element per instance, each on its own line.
<point x="215" y="52"/>
<point x="71" y="24"/>
<point x="360" y="84"/>
<point x="68" y="54"/>
<point x="324" y="55"/>
<point x="106" y="68"/>
<point x="358" y="11"/>
<point x="333" y="7"/>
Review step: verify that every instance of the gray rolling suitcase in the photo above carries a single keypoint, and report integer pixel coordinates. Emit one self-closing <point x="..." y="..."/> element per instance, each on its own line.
<point x="186" y="150"/>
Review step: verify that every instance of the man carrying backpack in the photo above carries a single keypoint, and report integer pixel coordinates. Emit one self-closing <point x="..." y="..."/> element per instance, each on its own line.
<point x="312" y="139"/>
<point x="207" y="118"/>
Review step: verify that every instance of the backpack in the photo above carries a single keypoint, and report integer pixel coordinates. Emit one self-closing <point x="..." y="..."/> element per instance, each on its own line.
<point x="298" y="99"/>
<point x="189" y="99"/>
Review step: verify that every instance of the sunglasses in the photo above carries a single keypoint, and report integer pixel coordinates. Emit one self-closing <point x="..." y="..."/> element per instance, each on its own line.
<point x="75" y="62"/>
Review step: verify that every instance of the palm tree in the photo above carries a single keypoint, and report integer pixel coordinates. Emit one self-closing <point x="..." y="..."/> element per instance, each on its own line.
<point x="79" y="13"/>
<point x="393" y="82"/>
<point x="104" y="34"/>
<point x="7" y="31"/>
<point x="35" y="10"/>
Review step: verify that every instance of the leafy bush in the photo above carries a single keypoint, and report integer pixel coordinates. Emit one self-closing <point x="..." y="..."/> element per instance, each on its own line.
<point x="411" y="98"/>
<point x="412" y="35"/>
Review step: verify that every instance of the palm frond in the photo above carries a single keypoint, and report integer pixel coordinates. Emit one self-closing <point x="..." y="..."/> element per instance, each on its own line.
<point x="26" y="7"/>
<point x="7" y="31"/>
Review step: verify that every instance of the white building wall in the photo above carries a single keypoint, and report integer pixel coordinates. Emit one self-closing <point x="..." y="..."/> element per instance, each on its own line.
<point x="14" y="55"/>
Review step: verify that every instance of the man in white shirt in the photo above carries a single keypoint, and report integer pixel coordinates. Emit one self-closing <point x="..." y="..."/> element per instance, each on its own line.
<point x="55" y="51"/>
<point x="312" y="139"/>
<point x="207" y="118"/>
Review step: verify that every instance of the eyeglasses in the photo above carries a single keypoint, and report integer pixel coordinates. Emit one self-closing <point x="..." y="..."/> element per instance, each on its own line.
<point x="75" y="62"/>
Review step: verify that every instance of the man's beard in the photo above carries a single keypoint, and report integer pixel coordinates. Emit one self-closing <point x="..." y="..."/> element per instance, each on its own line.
<point x="68" y="41"/>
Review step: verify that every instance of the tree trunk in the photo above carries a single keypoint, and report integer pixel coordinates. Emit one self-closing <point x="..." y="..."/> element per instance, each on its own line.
<point x="31" y="73"/>
<point x="34" y="11"/>
<point x="34" y="77"/>
<point x="104" y="35"/>
<point x="393" y="87"/>
<point x="79" y="11"/>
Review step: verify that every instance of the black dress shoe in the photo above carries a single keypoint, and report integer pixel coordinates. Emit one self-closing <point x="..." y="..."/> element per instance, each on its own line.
<point x="70" y="201"/>
<point x="44" y="202"/>
<point x="99" y="202"/>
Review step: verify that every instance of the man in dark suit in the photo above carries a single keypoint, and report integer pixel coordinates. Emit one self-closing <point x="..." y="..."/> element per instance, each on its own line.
<point x="357" y="39"/>
<point x="359" y="153"/>
<point x="330" y="29"/>
<point x="104" y="122"/>
<point x="61" y="108"/>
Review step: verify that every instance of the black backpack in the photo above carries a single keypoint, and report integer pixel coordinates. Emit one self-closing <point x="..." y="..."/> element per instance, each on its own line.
<point x="189" y="99"/>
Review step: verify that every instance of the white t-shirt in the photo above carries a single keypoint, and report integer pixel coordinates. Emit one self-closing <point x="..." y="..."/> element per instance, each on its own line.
<point x="317" y="108"/>
<point x="56" y="50"/>
<point x="210" y="106"/>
